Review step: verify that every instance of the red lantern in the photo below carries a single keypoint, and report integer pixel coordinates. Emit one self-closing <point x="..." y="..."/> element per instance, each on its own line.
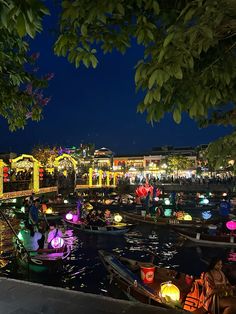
<point x="5" y="180"/>
<point x="41" y="170"/>
<point x="5" y="169"/>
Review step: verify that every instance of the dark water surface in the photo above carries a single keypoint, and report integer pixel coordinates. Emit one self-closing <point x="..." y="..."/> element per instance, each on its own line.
<point x="84" y="271"/>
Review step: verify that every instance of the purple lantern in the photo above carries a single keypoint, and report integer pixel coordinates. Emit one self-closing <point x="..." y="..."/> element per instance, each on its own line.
<point x="231" y="225"/>
<point x="57" y="243"/>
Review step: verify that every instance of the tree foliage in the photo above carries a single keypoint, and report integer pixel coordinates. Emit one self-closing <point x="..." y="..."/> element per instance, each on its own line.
<point x="189" y="51"/>
<point x="21" y="94"/>
<point x="45" y="155"/>
<point x="178" y="162"/>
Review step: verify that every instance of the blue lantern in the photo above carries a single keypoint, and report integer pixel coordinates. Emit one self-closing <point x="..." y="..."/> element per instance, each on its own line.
<point x="206" y="215"/>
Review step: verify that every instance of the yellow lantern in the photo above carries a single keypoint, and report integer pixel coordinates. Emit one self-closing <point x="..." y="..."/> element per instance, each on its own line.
<point x="118" y="218"/>
<point x="88" y="206"/>
<point x="49" y="210"/>
<point x="169" y="290"/>
<point x="188" y="217"/>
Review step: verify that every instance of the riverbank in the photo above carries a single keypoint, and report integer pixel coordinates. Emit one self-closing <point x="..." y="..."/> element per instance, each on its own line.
<point x="23" y="297"/>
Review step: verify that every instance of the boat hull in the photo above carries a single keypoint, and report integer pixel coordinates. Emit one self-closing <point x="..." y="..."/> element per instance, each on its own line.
<point x="112" y="230"/>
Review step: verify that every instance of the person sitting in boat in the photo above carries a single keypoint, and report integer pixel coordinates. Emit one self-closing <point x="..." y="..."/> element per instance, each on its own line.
<point x="32" y="240"/>
<point x="54" y="232"/>
<point x="217" y="291"/>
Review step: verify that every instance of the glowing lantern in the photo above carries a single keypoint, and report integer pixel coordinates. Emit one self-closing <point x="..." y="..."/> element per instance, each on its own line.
<point x="206" y="215"/>
<point x="188" y="217"/>
<point x="69" y="216"/>
<point x="57" y="243"/>
<point x="204" y="201"/>
<point x="231" y="225"/>
<point x="167" y="212"/>
<point x="167" y="201"/>
<point x="66" y="202"/>
<point x="169" y="290"/>
<point x="48" y="210"/>
<point x="118" y="218"/>
<point x="224" y="194"/>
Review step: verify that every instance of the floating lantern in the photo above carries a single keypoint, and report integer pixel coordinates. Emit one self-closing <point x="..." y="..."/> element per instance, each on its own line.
<point x="231" y="225"/>
<point x="169" y="290"/>
<point x="69" y="216"/>
<point x="118" y="218"/>
<point x="188" y="217"/>
<point x="57" y="243"/>
<point x="168" y="212"/>
<point x="167" y="201"/>
<point x="48" y="210"/>
<point x="224" y="194"/>
<point x="88" y="206"/>
<point x="206" y="215"/>
<point x="66" y="202"/>
<point x="204" y="201"/>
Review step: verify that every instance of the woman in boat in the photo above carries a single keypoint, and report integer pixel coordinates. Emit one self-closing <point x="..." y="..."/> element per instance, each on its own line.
<point x="53" y="233"/>
<point x="217" y="291"/>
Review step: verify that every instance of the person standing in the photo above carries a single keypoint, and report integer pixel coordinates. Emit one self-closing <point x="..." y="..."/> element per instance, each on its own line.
<point x="34" y="214"/>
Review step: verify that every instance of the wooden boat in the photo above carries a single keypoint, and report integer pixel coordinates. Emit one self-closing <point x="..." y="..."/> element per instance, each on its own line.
<point x="49" y="260"/>
<point x="199" y="237"/>
<point x="115" y="229"/>
<point x="126" y="272"/>
<point x="164" y="221"/>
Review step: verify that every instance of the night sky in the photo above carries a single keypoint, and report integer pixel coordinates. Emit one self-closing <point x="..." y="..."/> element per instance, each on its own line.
<point x="97" y="106"/>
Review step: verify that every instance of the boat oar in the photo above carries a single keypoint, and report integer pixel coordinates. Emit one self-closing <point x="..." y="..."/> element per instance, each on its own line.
<point x="14" y="232"/>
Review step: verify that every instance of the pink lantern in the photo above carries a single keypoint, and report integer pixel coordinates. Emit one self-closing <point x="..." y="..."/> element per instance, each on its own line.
<point x="57" y="243"/>
<point x="69" y="216"/>
<point x="231" y="225"/>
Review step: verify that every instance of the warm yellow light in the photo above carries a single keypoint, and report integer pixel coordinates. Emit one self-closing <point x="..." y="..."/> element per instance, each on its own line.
<point x="118" y="218"/>
<point x="49" y="210"/>
<point x="188" y="217"/>
<point x="169" y="290"/>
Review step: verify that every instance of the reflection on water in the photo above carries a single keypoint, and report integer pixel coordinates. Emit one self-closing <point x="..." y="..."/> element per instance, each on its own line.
<point x="84" y="271"/>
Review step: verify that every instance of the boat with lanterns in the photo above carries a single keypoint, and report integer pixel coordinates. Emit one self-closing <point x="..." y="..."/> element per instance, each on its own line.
<point x="146" y="282"/>
<point x="182" y="220"/>
<point x="114" y="227"/>
<point x="210" y="236"/>
<point x="44" y="260"/>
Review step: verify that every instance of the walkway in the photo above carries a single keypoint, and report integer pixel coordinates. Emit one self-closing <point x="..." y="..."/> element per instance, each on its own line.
<point x="21" y="297"/>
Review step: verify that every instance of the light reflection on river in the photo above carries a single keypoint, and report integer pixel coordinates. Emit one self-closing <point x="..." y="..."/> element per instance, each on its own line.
<point x="84" y="271"/>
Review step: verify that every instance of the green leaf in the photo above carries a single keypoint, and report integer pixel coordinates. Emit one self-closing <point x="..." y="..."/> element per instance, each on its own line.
<point x="178" y="72"/>
<point x="156" y="7"/>
<point x="84" y="30"/>
<point x="94" y="61"/>
<point x="189" y="15"/>
<point x="177" y="116"/>
<point x="20" y="25"/>
<point x="168" y="39"/>
<point x="120" y="9"/>
<point x="152" y="79"/>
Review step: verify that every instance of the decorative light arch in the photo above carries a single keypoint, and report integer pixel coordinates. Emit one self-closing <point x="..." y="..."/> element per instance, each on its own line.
<point x="65" y="156"/>
<point x="35" y="165"/>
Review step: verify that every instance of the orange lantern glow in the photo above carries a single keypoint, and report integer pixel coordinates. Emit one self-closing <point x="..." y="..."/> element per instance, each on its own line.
<point x="170" y="291"/>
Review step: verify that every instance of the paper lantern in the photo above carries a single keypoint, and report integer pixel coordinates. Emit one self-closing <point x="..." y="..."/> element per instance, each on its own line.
<point x="167" y="212"/>
<point x="118" y="218"/>
<point x="204" y="201"/>
<point x="167" y="201"/>
<point x="231" y="225"/>
<point x="57" y="243"/>
<point x="188" y="217"/>
<point x="169" y="290"/>
<point x="69" y="216"/>
<point x="48" y="210"/>
<point x="66" y="202"/>
<point x="206" y="215"/>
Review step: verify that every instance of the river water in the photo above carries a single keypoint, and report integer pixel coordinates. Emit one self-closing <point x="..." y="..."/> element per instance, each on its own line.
<point x="83" y="270"/>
